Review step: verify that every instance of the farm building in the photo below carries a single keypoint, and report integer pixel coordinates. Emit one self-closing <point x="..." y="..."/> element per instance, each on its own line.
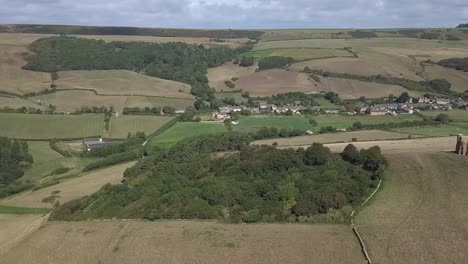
<point x="98" y="142"/>
<point x="378" y="112"/>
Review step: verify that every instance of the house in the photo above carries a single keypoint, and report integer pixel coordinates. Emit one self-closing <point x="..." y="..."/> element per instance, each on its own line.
<point x="97" y="142"/>
<point x="332" y="111"/>
<point x="220" y="116"/>
<point x="378" y="112"/>
<point x="179" y="111"/>
<point x="441" y="101"/>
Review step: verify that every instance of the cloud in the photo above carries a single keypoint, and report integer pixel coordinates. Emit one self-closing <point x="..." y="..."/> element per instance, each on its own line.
<point x="239" y="13"/>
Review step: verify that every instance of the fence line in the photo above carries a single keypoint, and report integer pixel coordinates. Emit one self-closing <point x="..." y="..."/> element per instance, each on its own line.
<point x="355" y="230"/>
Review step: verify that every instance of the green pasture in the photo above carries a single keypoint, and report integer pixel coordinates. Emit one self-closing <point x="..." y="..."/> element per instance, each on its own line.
<point x="456" y="115"/>
<point x="122" y="125"/>
<point x="182" y="131"/>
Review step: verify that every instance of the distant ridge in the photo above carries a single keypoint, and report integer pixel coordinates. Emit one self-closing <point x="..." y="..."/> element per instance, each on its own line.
<point x="133" y="31"/>
<point x="463" y="25"/>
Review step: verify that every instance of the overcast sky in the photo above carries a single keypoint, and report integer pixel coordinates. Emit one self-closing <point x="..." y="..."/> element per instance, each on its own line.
<point x="238" y="13"/>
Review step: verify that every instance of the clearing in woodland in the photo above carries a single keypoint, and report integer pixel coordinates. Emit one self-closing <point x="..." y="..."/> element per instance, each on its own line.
<point x="177" y="242"/>
<point x="420" y="214"/>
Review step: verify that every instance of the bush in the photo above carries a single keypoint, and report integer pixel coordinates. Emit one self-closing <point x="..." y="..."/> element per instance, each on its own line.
<point x="229" y="84"/>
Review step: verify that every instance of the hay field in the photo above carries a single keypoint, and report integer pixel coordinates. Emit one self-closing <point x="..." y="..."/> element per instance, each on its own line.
<point x="181" y="131"/>
<point x="458" y="79"/>
<point x="177" y="242"/>
<point x="15" y="227"/>
<point x="299" y="54"/>
<point x="269" y="82"/>
<point x="16" y="102"/>
<point x="122" y="125"/>
<point x="14" y="79"/>
<point x="216" y="76"/>
<point x="121" y="82"/>
<point x="50" y="126"/>
<point x="420" y="214"/>
<point x="86" y="184"/>
<point x="364" y="135"/>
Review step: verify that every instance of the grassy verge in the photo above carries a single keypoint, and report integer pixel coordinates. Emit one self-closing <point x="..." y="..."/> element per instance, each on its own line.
<point x="22" y="210"/>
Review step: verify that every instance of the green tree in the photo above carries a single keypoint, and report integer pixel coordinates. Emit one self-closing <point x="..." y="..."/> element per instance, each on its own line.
<point x="317" y="154"/>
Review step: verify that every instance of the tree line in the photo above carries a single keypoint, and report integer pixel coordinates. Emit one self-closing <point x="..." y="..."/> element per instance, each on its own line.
<point x="250" y="184"/>
<point x="14" y="156"/>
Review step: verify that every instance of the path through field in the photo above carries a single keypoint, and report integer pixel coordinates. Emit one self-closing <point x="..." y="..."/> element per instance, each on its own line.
<point x="420" y="215"/>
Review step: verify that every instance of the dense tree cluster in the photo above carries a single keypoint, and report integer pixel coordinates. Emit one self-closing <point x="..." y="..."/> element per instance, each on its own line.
<point x="460" y="64"/>
<point x="273" y="132"/>
<point x="246" y="61"/>
<point x="132" y="31"/>
<point x="362" y="34"/>
<point x="21" y="110"/>
<point x="274" y="62"/>
<point x="94" y="110"/>
<point x="173" y="61"/>
<point x="13" y="155"/>
<point x="291" y="98"/>
<point x="254" y="184"/>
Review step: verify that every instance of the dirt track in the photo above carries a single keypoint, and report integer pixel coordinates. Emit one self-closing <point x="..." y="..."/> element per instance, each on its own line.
<point x="420" y="215"/>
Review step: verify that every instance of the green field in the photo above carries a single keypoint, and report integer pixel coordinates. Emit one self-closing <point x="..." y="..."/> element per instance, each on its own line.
<point x="120" y="126"/>
<point x="299" y="54"/>
<point x="457" y="115"/>
<point x="254" y="123"/>
<point x="436" y="131"/>
<point x="50" y="126"/>
<point x="22" y="210"/>
<point x="343" y="121"/>
<point x="182" y="131"/>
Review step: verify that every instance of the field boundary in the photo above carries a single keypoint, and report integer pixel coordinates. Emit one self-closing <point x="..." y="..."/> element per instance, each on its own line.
<point x="355" y="230"/>
<point x="160" y="131"/>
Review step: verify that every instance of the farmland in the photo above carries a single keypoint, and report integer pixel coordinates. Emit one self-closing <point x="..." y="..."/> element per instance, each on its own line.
<point x="120" y="82"/>
<point x="254" y="123"/>
<point x="201" y="242"/>
<point x="182" y="131"/>
<point x="455" y="115"/>
<point x="122" y="125"/>
<point x="300" y="54"/>
<point x="434" y="131"/>
<point x="412" y="219"/>
<point x="75" y="126"/>
<point x="50" y="126"/>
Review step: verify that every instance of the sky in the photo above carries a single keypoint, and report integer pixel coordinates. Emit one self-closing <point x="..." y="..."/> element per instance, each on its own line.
<point x="238" y="14"/>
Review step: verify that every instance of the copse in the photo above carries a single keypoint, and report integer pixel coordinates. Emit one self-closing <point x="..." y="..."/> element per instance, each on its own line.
<point x="317" y="154"/>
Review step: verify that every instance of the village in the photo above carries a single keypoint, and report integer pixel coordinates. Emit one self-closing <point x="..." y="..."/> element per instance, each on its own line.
<point x="368" y="107"/>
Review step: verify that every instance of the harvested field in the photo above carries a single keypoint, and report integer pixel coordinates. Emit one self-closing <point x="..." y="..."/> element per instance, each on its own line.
<point x="216" y="76"/>
<point x="121" y="82"/>
<point x="266" y="83"/>
<point x="15" y="227"/>
<point x="458" y="79"/>
<point x="13" y="79"/>
<point x="75" y="188"/>
<point x="69" y="101"/>
<point x="16" y="102"/>
<point x="122" y="125"/>
<point x="403" y="146"/>
<point x="357" y="66"/>
<point x="186" y="242"/>
<point x="365" y="135"/>
<point x="353" y="89"/>
<point x="420" y="215"/>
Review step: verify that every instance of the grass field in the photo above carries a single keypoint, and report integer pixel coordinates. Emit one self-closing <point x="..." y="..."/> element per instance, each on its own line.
<point x="180" y="242"/>
<point x="420" y="214"/>
<point x="344" y="121"/>
<point x="182" y="131"/>
<point x="120" y="82"/>
<point x="216" y="76"/>
<point x="456" y="115"/>
<point x="254" y="123"/>
<point x="69" y="101"/>
<point x="120" y="126"/>
<point x="435" y="131"/>
<point x="299" y="54"/>
<point x="50" y="126"/>
<point x="22" y="210"/>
